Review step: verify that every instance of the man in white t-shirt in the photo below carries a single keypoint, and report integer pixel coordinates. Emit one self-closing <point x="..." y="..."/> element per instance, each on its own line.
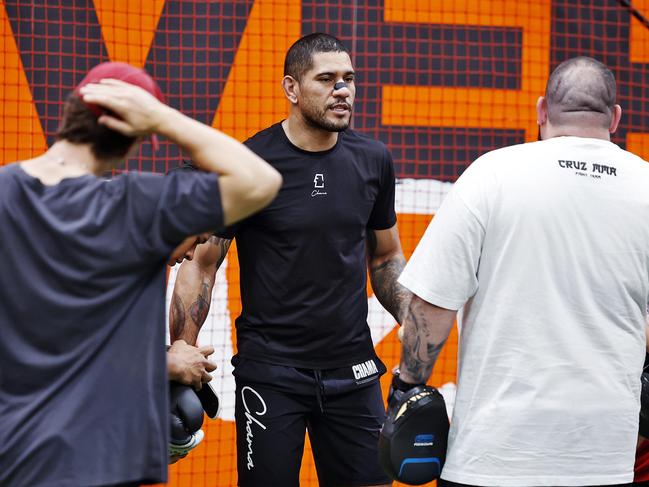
<point x="545" y="249"/>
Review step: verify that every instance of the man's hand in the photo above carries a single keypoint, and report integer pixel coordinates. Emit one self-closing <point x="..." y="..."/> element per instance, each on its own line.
<point x="135" y="112"/>
<point x="398" y="389"/>
<point x="189" y="365"/>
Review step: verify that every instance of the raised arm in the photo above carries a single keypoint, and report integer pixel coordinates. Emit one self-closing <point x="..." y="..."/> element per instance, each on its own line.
<point x="246" y="181"/>
<point x="190" y="301"/>
<point x="425" y="330"/>
<point x="385" y="262"/>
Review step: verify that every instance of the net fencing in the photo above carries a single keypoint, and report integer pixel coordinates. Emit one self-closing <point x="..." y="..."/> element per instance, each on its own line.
<point x="439" y="82"/>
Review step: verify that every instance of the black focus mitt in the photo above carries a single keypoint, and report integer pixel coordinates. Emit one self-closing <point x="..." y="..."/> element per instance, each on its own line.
<point x="412" y="443"/>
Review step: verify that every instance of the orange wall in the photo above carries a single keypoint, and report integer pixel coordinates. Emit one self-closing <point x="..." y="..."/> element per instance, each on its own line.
<point x="252" y="100"/>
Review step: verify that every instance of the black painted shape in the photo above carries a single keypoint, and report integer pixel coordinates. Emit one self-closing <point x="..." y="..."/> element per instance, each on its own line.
<point x="426" y="55"/>
<point x="601" y="29"/>
<point x="439" y="152"/>
<point x="442" y="55"/>
<point x="193" y="50"/>
<point x="58" y="42"/>
<point x="191" y="56"/>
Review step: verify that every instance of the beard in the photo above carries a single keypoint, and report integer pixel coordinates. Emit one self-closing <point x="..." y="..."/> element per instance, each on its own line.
<point x="317" y="118"/>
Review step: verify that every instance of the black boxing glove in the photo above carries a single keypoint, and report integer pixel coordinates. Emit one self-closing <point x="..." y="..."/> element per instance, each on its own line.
<point x="186" y="419"/>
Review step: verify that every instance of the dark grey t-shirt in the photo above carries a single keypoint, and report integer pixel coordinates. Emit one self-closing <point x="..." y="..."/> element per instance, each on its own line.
<point x="83" y="386"/>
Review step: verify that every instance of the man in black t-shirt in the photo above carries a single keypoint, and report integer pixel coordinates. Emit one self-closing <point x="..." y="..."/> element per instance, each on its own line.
<point x="83" y="382"/>
<point x="305" y="357"/>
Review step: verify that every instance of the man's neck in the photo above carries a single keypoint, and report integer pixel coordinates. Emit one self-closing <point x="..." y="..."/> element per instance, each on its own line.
<point x="307" y="137"/>
<point x="64" y="160"/>
<point x="576" y="131"/>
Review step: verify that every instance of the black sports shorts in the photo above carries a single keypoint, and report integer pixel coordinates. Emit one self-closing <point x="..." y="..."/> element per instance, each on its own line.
<point x="342" y="409"/>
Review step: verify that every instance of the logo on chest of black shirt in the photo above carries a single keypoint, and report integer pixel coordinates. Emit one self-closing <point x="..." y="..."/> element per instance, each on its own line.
<point x="318" y="185"/>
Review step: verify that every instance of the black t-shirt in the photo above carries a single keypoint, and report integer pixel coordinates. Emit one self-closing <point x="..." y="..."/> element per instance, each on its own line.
<point x="303" y="258"/>
<point x="83" y="380"/>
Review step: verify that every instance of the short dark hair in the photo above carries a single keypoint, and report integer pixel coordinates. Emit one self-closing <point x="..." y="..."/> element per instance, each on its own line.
<point x="79" y="125"/>
<point x="299" y="58"/>
<point x="581" y="87"/>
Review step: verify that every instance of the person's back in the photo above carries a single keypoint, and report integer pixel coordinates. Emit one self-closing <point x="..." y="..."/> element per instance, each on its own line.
<point x="544" y="247"/>
<point x="83" y="380"/>
<point x="550" y="340"/>
<point x="82" y="330"/>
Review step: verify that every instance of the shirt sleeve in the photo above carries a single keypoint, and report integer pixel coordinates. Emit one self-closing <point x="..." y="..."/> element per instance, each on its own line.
<point x="168" y="209"/>
<point x="228" y="232"/>
<point x="443" y="268"/>
<point x="383" y="214"/>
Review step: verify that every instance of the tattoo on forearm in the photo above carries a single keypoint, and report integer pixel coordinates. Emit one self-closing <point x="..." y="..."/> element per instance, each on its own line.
<point x="177" y="317"/>
<point x="392" y="295"/>
<point x="223" y="244"/>
<point x="419" y="357"/>
<point x="199" y="308"/>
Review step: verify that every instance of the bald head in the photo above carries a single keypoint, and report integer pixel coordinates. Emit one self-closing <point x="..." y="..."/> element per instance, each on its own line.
<point x="581" y="92"/>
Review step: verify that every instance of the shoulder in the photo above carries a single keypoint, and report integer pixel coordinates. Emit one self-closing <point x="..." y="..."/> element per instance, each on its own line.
<point x="12" y="170"/>
<point x="132" y="188"/>
<point x="141" y="176"/>
<point x="6" y="169"/>
<point x="11" y="179"/>
<point x="485" y="171"/>
<point x="173" y="176"/>
<point x="364" y="141"/>
<point x="634" y="158"/>
<point x="138" y="179"/>
<point x="366" y="146"/>
<point x="155" y="185"/>
<point x="499" y="159"/>
<point x="511" y="151"/>
<point x="264" y="138"/>
<point x="7" y="172"/>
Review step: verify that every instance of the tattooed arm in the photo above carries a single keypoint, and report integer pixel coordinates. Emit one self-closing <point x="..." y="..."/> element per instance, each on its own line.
<point x="192" y="293"/>
<point x="386" y="261"/>
<point x="426" y="329"/>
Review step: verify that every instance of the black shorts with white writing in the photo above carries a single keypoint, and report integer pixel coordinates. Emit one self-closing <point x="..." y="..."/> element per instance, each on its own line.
<point x="342" y="410"/>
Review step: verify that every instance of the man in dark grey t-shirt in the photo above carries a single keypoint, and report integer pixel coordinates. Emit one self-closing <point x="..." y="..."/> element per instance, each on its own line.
<point x="83" y="383"/>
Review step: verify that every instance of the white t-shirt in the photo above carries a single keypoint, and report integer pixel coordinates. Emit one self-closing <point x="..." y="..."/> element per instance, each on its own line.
<point x="546" y="247"/>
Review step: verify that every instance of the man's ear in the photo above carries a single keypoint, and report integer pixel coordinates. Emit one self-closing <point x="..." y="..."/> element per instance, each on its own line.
<point x="541" y="111"/>
<point x="291" y="88"/>
<point x="615" y="119"/>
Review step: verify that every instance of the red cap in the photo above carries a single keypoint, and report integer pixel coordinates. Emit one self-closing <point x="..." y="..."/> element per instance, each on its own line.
<point x="123" y="72"/>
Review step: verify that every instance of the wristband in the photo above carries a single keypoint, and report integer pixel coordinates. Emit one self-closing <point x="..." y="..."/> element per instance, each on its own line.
<point x="401" y="385"/>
